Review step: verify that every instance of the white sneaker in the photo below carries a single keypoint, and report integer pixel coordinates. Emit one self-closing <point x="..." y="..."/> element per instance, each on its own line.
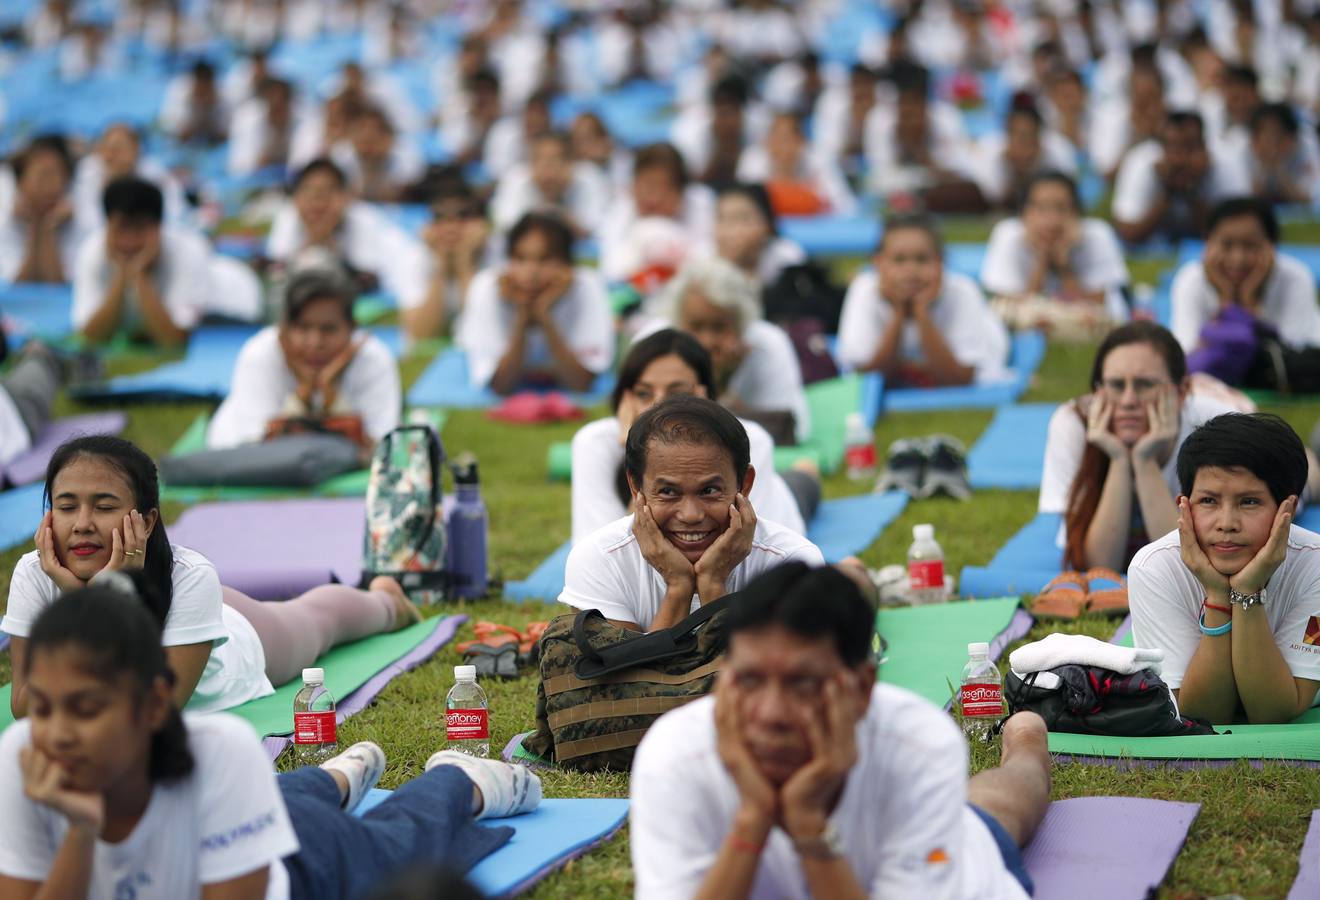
<point x="362" y="765"/>
<point x="506" y="790"/>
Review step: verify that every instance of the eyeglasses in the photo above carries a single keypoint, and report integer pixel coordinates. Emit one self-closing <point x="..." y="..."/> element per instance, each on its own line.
<point x="1142" y="387"/>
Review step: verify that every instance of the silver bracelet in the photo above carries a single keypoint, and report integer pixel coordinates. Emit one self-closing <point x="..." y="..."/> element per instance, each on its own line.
<point x="1246" y="601"/>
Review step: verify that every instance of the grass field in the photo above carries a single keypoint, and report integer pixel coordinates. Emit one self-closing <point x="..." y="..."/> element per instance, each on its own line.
<point x="1249" y="833"/>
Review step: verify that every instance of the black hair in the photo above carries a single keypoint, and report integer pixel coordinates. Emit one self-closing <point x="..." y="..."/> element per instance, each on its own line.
<point x="1281" y="113"/>
<point x="139" y="471"/>
<point x="204" y="70"/>
<point x="664" y="342"/>
<point x="484" y="78"/>
<point x="375" y="113"/>
<point x="756" y="194"/>
<point x="117" y="636"/>
<point x="1233" y="207"/>
<point x="1142" y="332"/>
<point x="730" y="89"/>
<point x="320" y="164"/>
<point x="686" y="420"/>
<point x="1181" y="117"/>
<point x="1050" y="176"/>
<point x="910" y="78"/>
<point x="916" y="221"/>
<point x="557" y="234"/>
<point x="46" y="143"/>
<point x="1023" y="105"/>
<point x="448" y="183"/>
<point x="311" y="285"/>
<point x="136" y="199"/>
<point x="1144" y="54"/>
<point x="1262" y="443"/>
<point x="1242" y="75"/>
<point x="810" y="602"/>
<point x="662" y="156"/>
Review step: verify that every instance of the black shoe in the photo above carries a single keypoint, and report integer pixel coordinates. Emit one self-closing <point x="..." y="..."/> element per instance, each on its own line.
<point x="946" y="468"/>
<point x="905" y="467"/>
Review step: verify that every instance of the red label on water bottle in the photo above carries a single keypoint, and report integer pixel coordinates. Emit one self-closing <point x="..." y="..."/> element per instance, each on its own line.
<point x="860" y="456"/>
<point x="926" y="573"/>
<point x="314" y="727"/>
<point x="467" y="724"/>
<point x="982" y="700"/>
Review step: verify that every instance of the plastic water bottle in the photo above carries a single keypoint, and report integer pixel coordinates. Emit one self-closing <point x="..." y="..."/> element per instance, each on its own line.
<point x="467" y="530"/>
<point x="925" y="567"/>
<point x="467" y="714"/>
<point x="981" y="698"/>
<point x="858" y="448"/>
<point x="314" y="719"/>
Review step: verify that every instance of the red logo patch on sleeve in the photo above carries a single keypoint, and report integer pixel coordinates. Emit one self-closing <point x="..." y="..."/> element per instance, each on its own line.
<point x="1312" y="635"/>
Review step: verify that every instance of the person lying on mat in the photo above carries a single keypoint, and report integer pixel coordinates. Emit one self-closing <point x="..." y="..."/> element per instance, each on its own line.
<point x="538" y="320"/>
<point x="914" y="321"/>
<point x="107" y="790"/>
<point x="27" y="393"/>
<point x="136" y="277"/>
<point x="803" y="777"/>
<point x="1240" y="287"/>
<point x="756" y="367"/>
<point x="312" y="372"/>
<point x="667" y="364"/>
<point x="225" y="648"/>
<point x="1232" y="595"/>
<point x="38" y="235"/>
<point x="1110" y="454"/>
<point x="693" y="537"/>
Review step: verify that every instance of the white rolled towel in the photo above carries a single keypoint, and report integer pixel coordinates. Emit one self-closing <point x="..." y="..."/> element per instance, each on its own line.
<point x="1080" y="650"/>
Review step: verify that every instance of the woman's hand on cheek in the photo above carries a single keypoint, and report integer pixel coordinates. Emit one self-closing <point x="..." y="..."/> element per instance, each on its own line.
<point x="1161" y="427"/>
<point x="45" y="782"/>
<point x="1256" y="574"/>
<point x="55" y="570"/>
<point x="1193" y="556"/>
<point x="1099" y="415"/>
<point x="128" y="547"/>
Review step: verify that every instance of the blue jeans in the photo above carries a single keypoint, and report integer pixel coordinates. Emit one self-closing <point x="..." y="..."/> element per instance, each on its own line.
<point x="1008" y="849"/>
<point x="427" y="821"/>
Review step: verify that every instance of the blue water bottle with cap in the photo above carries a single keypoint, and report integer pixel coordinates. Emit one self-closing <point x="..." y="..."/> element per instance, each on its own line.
<point x="467" y="530"/>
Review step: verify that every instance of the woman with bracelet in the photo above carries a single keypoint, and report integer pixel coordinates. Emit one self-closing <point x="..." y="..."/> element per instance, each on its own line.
<point x="1231" y="596"/>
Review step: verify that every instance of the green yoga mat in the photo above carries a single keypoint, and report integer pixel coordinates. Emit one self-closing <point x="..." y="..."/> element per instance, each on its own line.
<point x="349" y="484"/>
<point x="928" y="644"/>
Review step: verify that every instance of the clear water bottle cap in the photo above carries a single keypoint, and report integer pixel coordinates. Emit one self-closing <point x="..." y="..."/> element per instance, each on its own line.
<point x="923" y="532"/>
<point x="465" y="673"/>
<point x="978" y="648"/>
<point x="313" y="676"/>
<point x="855" y="420"/>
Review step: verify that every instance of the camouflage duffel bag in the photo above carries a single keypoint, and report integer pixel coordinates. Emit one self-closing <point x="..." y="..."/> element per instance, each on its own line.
<point x="602" y="686"/>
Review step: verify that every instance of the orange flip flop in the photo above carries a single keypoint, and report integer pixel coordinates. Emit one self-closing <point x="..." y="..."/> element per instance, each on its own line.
<point x="1106" y="592"/>
<point x="1063" y="598"/>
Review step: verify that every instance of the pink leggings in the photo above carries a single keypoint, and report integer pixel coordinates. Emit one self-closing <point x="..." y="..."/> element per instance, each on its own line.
<point x="297" y="632"/>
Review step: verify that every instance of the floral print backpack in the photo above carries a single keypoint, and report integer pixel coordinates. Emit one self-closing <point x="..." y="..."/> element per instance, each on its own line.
<point x="405" y="535"/>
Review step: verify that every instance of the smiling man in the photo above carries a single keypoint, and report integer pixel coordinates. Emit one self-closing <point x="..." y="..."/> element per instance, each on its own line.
<point x="1232" y="596"/>
<point x="693" y="537"/>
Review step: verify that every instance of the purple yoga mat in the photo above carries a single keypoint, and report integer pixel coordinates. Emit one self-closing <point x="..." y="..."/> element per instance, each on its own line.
<point x="1307" y="885"/>
<point x="276" y="549"/>
<point x="1107" y="848"/>
<point x="30" y="465"/>
<point x="359" y="699"/>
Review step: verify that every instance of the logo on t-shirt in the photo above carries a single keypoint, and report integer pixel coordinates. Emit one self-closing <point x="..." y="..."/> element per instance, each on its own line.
<point x="1312" y="635"/>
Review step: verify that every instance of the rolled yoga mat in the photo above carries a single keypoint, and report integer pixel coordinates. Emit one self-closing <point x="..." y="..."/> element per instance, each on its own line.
<point x="1028" y="350"/>
<point x="1010" y="453"/>
<point x="544" y="840"/>
<point x="30" y="465"/>
<point x="445" y="382"/>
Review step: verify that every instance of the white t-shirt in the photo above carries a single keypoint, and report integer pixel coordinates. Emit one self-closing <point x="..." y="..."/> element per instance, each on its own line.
<point x="14" y="245"/>
<point x="1166" y="604"/>
<point x="975" y="335"/>
<point x="585" y="199"/>
<point x="1137" y="187"/>
<point x="903" y="816"/>
<point x="1097" y="259"/>
<point x="236" y="669"/>
<point x="1289" y="303"/>
<point x="181" y="274"/>
<point x="597" y="455"/>
<point x="626" y="238"/>
<point x="768" y="378"/>
<point x="989" y="168"/>
<point x="583" y="317"/>
<point x="948" y="144"/>
<point x="606" y="569"/>
<point x="224" y="819"/>
<point x="263" y="383"/>
<point x="369" y="242"/>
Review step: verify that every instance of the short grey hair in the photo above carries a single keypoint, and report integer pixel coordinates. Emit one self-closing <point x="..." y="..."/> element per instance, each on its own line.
<point x="720" y="282"/>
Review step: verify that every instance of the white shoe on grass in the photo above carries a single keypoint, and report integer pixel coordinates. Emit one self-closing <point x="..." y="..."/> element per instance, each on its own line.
<point x="506" y="790"/>
<point x="361" y="765"/>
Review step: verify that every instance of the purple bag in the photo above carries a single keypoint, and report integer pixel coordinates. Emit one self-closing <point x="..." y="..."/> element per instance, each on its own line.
<point x="1228" y="346"/>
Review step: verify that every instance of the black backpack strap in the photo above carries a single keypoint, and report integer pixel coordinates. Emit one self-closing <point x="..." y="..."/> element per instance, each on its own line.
<point x="643" y="649"/>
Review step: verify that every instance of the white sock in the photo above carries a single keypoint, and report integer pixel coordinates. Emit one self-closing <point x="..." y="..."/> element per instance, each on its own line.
<point x="1078" y="649"/>
<point x="506" y="790"/>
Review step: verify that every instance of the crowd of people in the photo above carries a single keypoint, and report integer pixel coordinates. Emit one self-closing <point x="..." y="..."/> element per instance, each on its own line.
<point x="566" y="191"/>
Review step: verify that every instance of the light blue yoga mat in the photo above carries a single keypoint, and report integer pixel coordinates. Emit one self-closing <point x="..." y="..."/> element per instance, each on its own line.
<point x="20" y="513"/>
<point x="1028" y="350"/>
<point x="36" y="310"/>
<point x="1024" y="565"/>
<point x="1010" y="453"/>
<point x="204" y="373"/>
<point x="840" y="528"/>
<point x="1309" y="517"/>
<point x="966" y="259"/>
<point x="832" y="235"/>
<point x="544" y="840"/>
<point x="445" y="382"/>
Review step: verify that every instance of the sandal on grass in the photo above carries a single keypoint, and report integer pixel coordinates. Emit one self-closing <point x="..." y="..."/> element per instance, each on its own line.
<point x="1063" y="598"/>
<point x="1105" y="592"/>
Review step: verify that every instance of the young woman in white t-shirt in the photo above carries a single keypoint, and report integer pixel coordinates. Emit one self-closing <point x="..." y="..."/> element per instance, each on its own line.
<point x="666" y="364"/>
<point x="224" y="647"/>
<point x="745" y="234"/>
<point x="313" y="371"/>
<point x="38" y="234"/>
<point x="108" y="791"/>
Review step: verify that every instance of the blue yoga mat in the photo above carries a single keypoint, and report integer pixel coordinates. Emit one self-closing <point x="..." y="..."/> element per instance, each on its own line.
<point x="1024" y="565"/>
<point x="1309" y="517"/>
<point x="1028" y="350"/>
<point x="840" y="528"/>
<point x="832" y="235"/>
<point x="1010" y="453"/>
<point x="36" y="310"/>
<point x="1307" y="254"/>
<point x="966" y="259"/>
<point x="20" y="513"/>
<point x="445" y="382"/>
<point x="204" y="373"/>
<point x="544" y="840"/>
